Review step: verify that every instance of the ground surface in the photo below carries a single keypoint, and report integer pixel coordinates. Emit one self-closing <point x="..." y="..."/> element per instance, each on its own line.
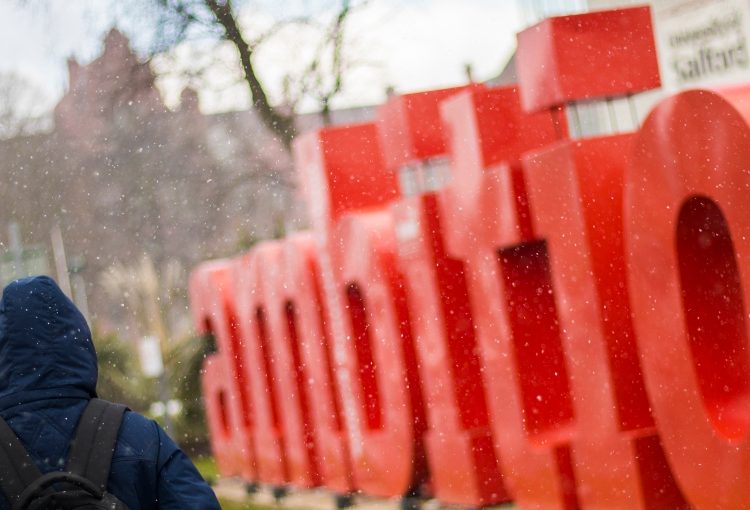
<point x="233" y="495"/>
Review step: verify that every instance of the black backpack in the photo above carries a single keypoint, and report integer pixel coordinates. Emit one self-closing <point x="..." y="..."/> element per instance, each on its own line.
<point x="83" y="485"/>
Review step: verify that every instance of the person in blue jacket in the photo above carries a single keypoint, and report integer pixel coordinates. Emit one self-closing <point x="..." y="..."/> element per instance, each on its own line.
<point x="48" y="373"/>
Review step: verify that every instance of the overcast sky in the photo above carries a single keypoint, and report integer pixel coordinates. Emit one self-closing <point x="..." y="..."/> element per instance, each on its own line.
<point x="409" y="44"/>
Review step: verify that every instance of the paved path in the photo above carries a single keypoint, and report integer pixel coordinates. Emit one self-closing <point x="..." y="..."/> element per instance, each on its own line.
<point x="315" y="499"/>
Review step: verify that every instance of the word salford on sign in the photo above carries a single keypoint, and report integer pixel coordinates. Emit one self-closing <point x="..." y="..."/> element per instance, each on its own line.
<point x="560" y="323"/>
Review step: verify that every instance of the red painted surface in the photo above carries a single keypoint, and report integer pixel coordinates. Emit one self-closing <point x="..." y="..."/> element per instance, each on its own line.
<point x="301" y="288"/>
<point x="345" y="165"/>
<point x="586" y="56"/>
<point x="687" y="223"/>
<point x="575" y="192"/>
<point x="340" y="169"/>
<point x="487" y="224"/>
<point x="228" y="404"/>
<point x="228" y="444"/>
<point x="486" y="134"/>
<point x="388" y="457"/>
<point x="547" y="315"/>
<point x="283" y="319"/>
<point x="253" y="315"/>
<point x="448" y="360"/>
<point x="404" y="135"/>
<point x="443" y="322"/>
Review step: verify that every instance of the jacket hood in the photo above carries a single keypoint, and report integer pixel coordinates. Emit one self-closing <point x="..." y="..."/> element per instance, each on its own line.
<point x="46" y="350"/>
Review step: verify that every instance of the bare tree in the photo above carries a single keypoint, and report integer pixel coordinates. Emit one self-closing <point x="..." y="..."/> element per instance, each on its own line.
<point x="125" y="176"/>
<point x="19" y="106"/>
<point x="321" y="79"/>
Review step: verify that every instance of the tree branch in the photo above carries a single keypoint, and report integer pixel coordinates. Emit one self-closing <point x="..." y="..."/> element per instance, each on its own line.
<point x="280" y="124"/>
<point x="337" y="64"/>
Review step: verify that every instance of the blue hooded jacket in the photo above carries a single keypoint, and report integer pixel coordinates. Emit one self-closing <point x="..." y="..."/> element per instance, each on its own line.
<point x="48" y="373"/>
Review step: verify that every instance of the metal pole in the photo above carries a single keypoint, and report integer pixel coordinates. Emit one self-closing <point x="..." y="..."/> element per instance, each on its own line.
<point x="61" y="262"/>
<point x="16" y="249"/>
<point x="612" y="116"/>
<point x="165" y="397"/>
<point x="81" y="296"/>
<point x="633" y="112"/>
<point x="158" y="329"/>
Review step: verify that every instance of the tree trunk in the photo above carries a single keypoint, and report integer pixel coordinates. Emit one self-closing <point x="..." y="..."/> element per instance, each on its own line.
<point x="281" y="125"/>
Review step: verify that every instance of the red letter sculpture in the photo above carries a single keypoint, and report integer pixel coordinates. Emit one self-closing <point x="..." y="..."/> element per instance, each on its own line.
<point x="687" y="218"/>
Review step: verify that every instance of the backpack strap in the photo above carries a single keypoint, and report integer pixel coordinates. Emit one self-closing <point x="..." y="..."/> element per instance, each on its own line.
<point x="17" y="469"/>
<point x="94" y="441"/>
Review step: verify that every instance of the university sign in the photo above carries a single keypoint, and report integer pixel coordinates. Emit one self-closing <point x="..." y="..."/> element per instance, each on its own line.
<point x="702" y="42"/>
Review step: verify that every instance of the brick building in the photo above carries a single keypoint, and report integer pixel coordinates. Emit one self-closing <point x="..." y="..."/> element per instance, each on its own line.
<point x="124" y="175"/>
